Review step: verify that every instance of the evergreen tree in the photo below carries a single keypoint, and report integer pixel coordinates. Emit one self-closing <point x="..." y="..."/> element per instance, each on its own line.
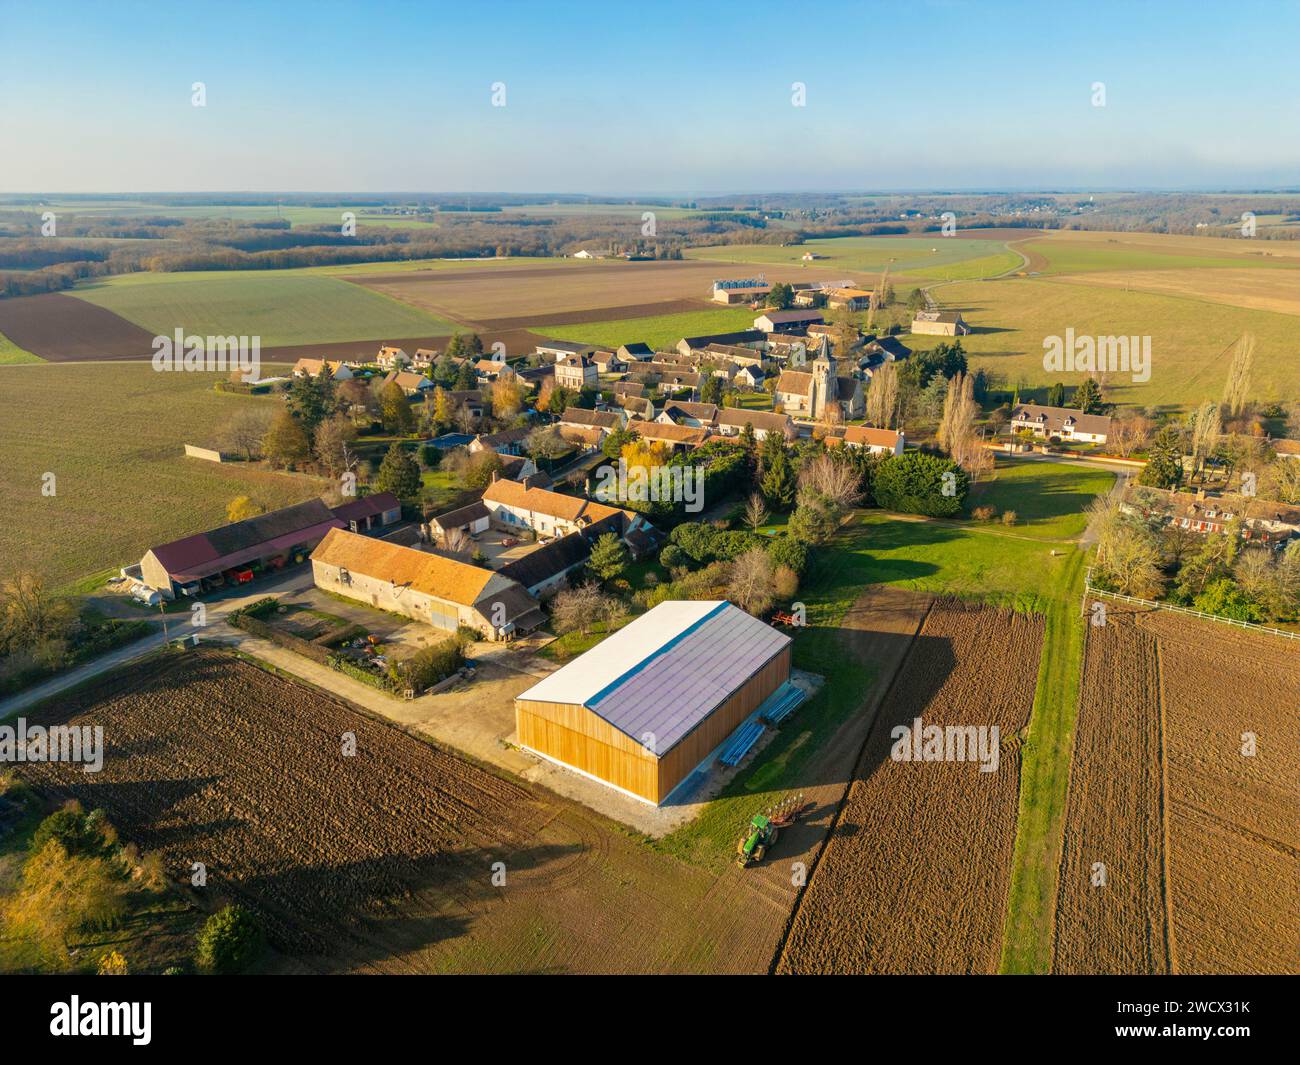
<point x="608" y="557"/>
<point x="778" y="484"/>
<point x="1055" y="395"/>
<point x="399" y="473"/>
<point x="1087" y="397"/>
<point x="1164" y="468"/>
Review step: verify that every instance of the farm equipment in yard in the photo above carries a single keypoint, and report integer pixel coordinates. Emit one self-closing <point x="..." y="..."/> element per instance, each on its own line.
<point x="761" y="833"/>
<point x="781" y="617"/>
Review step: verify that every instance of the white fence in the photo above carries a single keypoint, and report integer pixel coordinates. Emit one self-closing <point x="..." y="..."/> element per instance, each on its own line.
<point x="1089" y="589"/>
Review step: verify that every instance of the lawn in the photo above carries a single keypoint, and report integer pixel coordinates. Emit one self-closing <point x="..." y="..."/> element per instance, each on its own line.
<point x="659" y="331"/>
<point x="1049" y="498"/>
<point x="11" y="354"/>
<point x="1010" y="319"/>
<point x="112" y="435"/>
<point x="939" y="259"/>
<point x="283" y="307"/>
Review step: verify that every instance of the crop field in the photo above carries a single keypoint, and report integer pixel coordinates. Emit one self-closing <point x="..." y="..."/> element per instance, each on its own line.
<point x="660" y="331"/>
<point x="11" y="353"/>
<point x="1262" y="289"/>
<point x="122" y="483"/>
<point x="932" y="257"/>
<point x="914" y="877"/>
<point x="282" y="307"/>
<point x="1010" y="319"/>
<point x="57" y="327"/>
<point x="1110" y="915"/>
<point x="1199" y="839"/>
<point x="384" y="860"/>
<point x="1074" y="257"/>
<point x="534" y="296"/>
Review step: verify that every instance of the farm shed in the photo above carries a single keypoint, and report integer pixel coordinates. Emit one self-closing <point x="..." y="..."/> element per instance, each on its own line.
<point x="649" y="704"/>
<point x="370" y="512"/>
<point x="431" y="588"/>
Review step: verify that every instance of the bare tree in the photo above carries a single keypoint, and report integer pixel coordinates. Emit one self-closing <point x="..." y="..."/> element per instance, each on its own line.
<point x="882" y="396"/>
<point x="756" y="512"/>
<point x="245" y="430"/>
<point x="1204" y="428"/>
<point x="584" y="606"/>
<point x="1128" y="433"/>
<point x="1236" y="391"/>
<point x="752" y="586"/>
<point x="457" y="540"/>
<point x="835" y="481"/>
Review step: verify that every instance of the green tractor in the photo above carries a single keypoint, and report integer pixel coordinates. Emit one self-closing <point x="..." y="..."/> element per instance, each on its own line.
<point x="761" y="833"/>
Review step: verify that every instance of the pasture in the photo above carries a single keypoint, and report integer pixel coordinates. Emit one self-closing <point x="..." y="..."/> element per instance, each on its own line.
<point x="112" y="435"/>
<point x="932" y="257"/>
<point x="660" y="331"/>
<point x="284" y="308"/>
<point x="11" y="354"/>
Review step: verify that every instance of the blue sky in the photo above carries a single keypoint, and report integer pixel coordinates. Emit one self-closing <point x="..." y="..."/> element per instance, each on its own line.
<point x="666" y="98"/>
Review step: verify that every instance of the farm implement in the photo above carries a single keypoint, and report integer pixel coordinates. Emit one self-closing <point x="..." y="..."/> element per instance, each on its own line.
<point x="760" y="835"/>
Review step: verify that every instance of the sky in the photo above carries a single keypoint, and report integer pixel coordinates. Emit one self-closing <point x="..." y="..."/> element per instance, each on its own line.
<point x="615" y="98"/>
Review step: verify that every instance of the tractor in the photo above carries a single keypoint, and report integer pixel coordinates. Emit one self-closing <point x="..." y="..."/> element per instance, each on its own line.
<point x="761" y="833"/>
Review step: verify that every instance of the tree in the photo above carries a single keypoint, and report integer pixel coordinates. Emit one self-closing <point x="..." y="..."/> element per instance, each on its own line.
<point x="916" y="483"/>
<point x="1236" y="391"/>
<point x="246" y="429"/>
<point x="480" y="469"/>
<point x="756" y="512"/>
<point x="608" y="558"/>
<point x="711" y="389"/>
<point x="545" y="444"/>
<point x="1055" y="395"/>
<point x="241" y="508"/>
<point x="814" y="521"/>
<point x="882" y="396"/>
<point x="395" y="410"/>
<point x="60" y="894"/>
<point x="781" y="296"/>
<point x="788" y="553"/>
<point x="1128" y="433"/>
<point x="613" y="444"/>
<point x="830" y="479"/>
<point x="1087" y="397"/>
<point x="778" y="483"/>
<point x="1204" y="425"/>
<point x="1224" y="598"/>
<point x="1164" y="468"/>
<point x="333" y="445"/>
<point x="32" y="620"/>
<point x="442" y="410"/>
<point x="752" y="586"/>
<point x="584" y="606"/>
<point x="229" y="942"/>
<point x="400" y="474"/>
<point x="507" y="395"/>
<point x="285" y="444"/>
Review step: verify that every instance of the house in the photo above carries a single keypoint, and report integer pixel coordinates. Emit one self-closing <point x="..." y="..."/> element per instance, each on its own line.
<point x="609" y="362"/>
<point x="637" y="407"/>
<point x="413" y="384"/>
<point x="810" y="393"/>
<point x="631" y="389"/>
<point x="635" y="352"/>
<point x="604" y="420"/>
<point x="576" y="371"/>
<point x="732" y="421"/>
<point x="470" y="520"/>
<point x="787" y="321"/>
<point x="522" y="468"/>
<point x="370" y="513"/>
<point x="506" y="442"/>
<point x="682" y="412"/>
<point x="517" y="506"/>
<point x="1260" y="521"/>
<point x="751" y="377"/>
<point x="546" y="570"/>
<point x="552" y="350"/>
<point x="848" y="299"/>
<point x="671" y="381"/>
<point x="585" y="438"/>
<point x="488" y="370"/>
<point x="875" y="441"/>
<point x="312" y="368"/>
<point x="585" y="254"/>
<point x="266" y="543"/>
<point x="390" y="358"/>
<point x="471" y="399"/>
<point x="424" y="358"/>
<point x="743" y="294"/>
<point x="428" y="587"/>
<point x="744" y="336"/>
<point x="1060" y="423"/>
<point x="885" y="349"/>
<point x="675" y="437"/>
<point x="940" y="323"/>
<point x="655" y="701"/>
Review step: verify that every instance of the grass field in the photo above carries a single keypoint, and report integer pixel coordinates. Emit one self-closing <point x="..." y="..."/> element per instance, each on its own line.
<point x="943" y="259"/>
<point x="1073" y="257"/>
<point x="1049" y="498"/>
<point x="282" y="307"/>
<point x="112" y="435"/>
<point x="659" y="331"/>
<point x="11" y="354"/>
<point x="1012" y="317"/>
<point x="1256" y="288"/>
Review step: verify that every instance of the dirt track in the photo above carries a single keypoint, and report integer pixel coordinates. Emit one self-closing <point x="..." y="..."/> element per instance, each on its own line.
<point x="914" y="879"/>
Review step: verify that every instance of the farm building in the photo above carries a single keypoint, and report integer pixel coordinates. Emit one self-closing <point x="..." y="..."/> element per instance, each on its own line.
<point x="651" y="703"/>
<point x="425" y="586"/>
<point x="237" y="552"/>
<point x="635" y="352"/>
<point x="940" y="323"/>
<point x="876" y="441"/>
<point x="787" y="321"/>
<point x="370" y="512"/>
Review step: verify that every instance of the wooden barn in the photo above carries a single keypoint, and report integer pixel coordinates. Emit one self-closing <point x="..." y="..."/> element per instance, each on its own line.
<point x="647" y="706"/>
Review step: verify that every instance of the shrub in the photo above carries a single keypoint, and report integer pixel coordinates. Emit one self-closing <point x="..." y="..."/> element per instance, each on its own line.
<point x="788" y="552"/>
<point x="68" y="826"/>
<point x="229" y="942"/>
<point x="431" y="664"/>
<point x="1008" y="517"/>
<point x="984" y="513"/>
<point x="914" y="483"/>
<point x="673" y="557"/>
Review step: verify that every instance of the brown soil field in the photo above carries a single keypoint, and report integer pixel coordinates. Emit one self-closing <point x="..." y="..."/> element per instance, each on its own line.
<point x="914" y="877"/>
<point x="1260" y="289"/>
<point x="1115" y="925"/>
<point x="62" y="328"/>
<point x="539" y="294"/>
<point x="1234" y="831"/>
<point x="383" y="861"/>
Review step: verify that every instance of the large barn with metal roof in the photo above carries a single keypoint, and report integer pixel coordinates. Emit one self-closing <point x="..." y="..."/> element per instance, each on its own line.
<point x="647" y="706"/>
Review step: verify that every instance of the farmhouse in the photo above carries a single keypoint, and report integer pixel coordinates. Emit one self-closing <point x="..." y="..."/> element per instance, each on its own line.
<point x="811" y="393"/>
<point x="427" y="587"/>
<point x="940" y="323"/>
<point x="370" y="512"/>
<point x="609" y="362"/>
<point x="732" y="421"/>
<point x="786" y="321"/>
<point x="848" y="299"/>
<point x="683" y="412"/>
<point x="635" y="352"/>
<point x="875" y="441"/>
<point x="580" y="418"/>
<point x="1060" y="423"/>
<point x="676" y="437"/>
<point x="654" y="701"/>
<point x="514" y="506"/>
<point x="576" y="371"/>
<point x="312" y="368"/>
<point x="1259" y="521"/>
<point x="546" y="570"/>
<point x="413" y="384"/>
<point x="237" y="552"/>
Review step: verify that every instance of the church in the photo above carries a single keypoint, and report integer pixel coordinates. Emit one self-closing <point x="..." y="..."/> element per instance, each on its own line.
<point x="810" y="393"/>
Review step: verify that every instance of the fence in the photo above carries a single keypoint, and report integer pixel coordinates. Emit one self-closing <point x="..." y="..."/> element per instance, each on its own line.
<point x="1090" y="589"/>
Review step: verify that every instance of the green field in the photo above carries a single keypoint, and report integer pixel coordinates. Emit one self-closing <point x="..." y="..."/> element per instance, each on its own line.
<point x="1012" y="317"/>
<point x="283" y="307"/>
<point x="933" y="259"/>
<point x="1049" y="498"/>
<point x="1076" y="257"/>
<point x="659" y="331"/>
<point x="112" y="434"/>
<point x="11" y="354"/>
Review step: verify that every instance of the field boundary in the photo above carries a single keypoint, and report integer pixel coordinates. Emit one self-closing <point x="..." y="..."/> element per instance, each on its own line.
<point x="1090" y="589"/>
